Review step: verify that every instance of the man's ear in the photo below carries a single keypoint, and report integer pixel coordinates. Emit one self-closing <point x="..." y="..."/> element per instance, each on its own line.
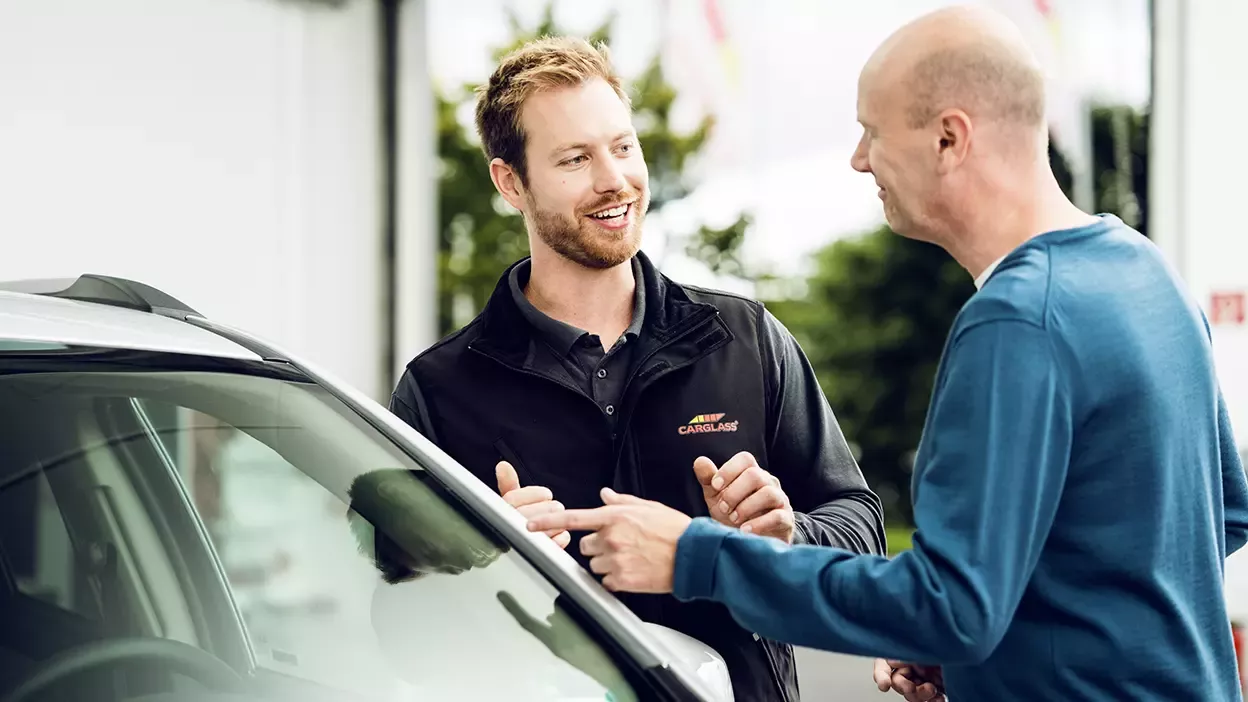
<point x="508" y="183"/>
<point x="954" y="142"/>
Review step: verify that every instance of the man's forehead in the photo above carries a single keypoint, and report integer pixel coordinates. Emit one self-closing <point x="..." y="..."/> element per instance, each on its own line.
<point x="580" y="114"/>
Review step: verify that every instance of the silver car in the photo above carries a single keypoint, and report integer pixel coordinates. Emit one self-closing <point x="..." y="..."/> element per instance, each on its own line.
<point x="188" y="513"/>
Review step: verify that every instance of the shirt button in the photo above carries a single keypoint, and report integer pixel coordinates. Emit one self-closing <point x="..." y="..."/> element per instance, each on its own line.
<point x="610" y="409"/>
<point x="602" y="372"/>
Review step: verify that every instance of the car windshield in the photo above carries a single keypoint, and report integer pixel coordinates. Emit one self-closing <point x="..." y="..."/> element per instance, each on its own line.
<point x="174" y="514"/>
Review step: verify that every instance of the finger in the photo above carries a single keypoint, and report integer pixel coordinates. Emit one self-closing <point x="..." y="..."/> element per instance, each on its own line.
<point x="528" y="495"/>
<point x="926" y="692"/>
<point x="562" y="539"/>
<point x="575" y="519"/>
<point x="532" y="510"/>
<point x="507" y="478"/>
<point x="704" y="469"/>
<point x="883" y="675"/>
<point x="600" y="565"/>
<point x="764" y="500"/>
<point x="593" y="545"/>
<point x="774" y="522"/>
<point x="746" y="484"/>
<point x="611" y="497"/>
<point x="735" y="466"/>
<point x="903" y="684"/>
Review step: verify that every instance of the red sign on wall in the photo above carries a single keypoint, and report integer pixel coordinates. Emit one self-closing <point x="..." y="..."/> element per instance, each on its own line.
<point x="1228" y="308"/>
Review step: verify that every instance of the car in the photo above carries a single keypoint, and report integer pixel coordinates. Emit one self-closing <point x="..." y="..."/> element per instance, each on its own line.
<point x="188" y="512"/>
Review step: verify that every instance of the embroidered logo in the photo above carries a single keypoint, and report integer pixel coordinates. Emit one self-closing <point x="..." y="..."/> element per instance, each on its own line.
<point x="707" y="424"/>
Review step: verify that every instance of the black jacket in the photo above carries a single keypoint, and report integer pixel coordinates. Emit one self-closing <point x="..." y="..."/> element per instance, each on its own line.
<point x="478" y="396"/>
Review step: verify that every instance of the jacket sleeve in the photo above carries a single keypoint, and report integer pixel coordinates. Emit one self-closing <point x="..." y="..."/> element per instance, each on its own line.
<point x="1003" y="405"/>
<point x="833" y="506"/>
<point x="408" y="403"/>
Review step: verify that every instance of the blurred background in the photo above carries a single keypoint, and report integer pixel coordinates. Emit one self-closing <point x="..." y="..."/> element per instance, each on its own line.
<point x="307" y="169"/>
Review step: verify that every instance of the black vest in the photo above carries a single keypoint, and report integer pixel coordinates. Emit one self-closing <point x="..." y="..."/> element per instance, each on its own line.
<point x="697" y="389"/>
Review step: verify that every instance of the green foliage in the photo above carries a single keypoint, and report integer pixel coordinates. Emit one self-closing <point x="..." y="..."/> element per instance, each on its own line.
<point x="479" y="235"/>
<point x="873" y="321"/>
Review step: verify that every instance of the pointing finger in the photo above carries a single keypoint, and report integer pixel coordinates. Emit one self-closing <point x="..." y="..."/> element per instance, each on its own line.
<point x="574" y="519"/>
<point x="611" y="497"/>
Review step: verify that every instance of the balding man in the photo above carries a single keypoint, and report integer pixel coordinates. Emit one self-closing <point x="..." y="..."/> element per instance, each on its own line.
<point x="1077" y="488"/>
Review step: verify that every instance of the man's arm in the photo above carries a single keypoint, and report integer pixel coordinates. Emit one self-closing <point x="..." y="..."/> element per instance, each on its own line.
<point x="833" y="506"/>
<point x="1234" y="483"/>
<point x="989" y="479"/>
<point x="408" y="404"/>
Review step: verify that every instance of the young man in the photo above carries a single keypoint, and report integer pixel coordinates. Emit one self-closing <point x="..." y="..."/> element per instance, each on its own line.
<point x="589" y="369"/>
<point x="1077" y="489"/>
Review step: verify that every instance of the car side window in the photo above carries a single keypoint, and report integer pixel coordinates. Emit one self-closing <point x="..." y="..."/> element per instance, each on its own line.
<point x="385" y="587"/>
<point x="297" y="577"/>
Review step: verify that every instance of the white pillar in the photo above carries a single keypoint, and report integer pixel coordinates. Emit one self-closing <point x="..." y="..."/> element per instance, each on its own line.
<point x="416" y="270"/>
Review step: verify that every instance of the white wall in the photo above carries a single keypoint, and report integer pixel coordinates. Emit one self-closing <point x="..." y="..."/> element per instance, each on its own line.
<point x="1197" y="184"/>
<point x="1197" y="161"/>
<point x="416" y="286"/>
<point x="225" y="151"/>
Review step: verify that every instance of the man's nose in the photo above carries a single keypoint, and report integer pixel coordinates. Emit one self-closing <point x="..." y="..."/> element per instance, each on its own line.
<point x="609" y="176"/>
<point x="858" y="160"/>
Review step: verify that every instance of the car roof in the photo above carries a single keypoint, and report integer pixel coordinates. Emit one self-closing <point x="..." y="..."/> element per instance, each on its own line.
<point x="39" y="318"/>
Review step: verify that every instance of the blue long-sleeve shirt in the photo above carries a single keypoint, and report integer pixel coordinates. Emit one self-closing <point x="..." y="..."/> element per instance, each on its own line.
<point x="1076" y="492"/>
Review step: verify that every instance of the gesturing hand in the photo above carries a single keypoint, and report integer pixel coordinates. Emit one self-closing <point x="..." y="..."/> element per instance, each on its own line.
<point x="741" y="494"/>
<point x="530" y="501"/>
<point x="917" y="683"/>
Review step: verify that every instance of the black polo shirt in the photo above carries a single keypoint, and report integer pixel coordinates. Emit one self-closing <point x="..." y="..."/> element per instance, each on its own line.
<point x="597" y="373"/>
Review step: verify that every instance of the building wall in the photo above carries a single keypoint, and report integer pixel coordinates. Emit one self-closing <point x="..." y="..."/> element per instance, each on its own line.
<point x="225" y="151"/>
<point x="1200" y="97"/>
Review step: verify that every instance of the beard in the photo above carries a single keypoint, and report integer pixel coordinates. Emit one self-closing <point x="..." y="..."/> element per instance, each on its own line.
<point x="582" y="241"/>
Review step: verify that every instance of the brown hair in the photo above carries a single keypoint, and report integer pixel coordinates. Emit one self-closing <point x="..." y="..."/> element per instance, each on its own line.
<point x="544" y="64"/>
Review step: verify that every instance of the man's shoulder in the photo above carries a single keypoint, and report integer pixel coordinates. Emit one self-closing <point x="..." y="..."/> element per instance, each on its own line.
<point x="447" y="350"/>
<point x="1019" y="290"/>
<point x="722" y="299"/>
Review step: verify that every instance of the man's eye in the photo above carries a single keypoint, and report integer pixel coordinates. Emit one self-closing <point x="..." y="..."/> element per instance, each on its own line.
<point x="575" y="160"/>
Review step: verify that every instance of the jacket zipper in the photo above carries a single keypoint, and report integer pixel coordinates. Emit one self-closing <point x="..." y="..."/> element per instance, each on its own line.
<point x="775" y="669"/>
<point x="626" y="416"/>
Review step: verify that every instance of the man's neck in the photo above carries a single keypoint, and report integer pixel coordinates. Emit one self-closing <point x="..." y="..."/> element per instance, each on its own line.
<point x="1019" y="217"/>
<point x="600" y="301"/>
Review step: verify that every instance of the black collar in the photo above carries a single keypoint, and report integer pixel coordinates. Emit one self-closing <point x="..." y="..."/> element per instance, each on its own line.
<point x="505" y="332"/>
<point x="560" y="336"/>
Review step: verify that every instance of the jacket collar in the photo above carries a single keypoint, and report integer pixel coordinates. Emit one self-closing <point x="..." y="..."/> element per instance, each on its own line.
<point x="505" y="333"/>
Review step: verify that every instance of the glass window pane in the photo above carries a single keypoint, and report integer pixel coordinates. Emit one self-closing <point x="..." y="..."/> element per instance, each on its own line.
<point x="351" y="567"/>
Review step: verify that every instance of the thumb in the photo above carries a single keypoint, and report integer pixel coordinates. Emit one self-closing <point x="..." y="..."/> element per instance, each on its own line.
<point x="507" y="478"/>
<point x="611" y="497"/>
<point x="704" y="468"/>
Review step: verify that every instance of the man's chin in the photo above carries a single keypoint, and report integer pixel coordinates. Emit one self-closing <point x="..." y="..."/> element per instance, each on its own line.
<point x="608" y="256"/>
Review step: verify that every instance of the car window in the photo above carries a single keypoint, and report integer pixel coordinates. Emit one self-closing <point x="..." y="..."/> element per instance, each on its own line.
<point x="352" y="569"/>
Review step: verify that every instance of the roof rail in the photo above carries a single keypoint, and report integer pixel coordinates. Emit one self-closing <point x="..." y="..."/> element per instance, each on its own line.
<point x="105" y="290"/>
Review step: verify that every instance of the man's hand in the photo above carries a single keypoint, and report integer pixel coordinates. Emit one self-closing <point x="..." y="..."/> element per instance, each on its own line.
<point x="530" y="501"/>
<point x="917" y="683"/>
<point x="634" y="541"/>
<point x="741" y="494"/>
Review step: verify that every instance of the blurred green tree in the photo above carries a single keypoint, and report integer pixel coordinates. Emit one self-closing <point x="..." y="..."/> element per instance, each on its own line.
<point x="480" y="235"/>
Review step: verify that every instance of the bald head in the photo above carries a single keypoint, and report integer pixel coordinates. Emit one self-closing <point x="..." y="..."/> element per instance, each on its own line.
<point x="964" y="58"/>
